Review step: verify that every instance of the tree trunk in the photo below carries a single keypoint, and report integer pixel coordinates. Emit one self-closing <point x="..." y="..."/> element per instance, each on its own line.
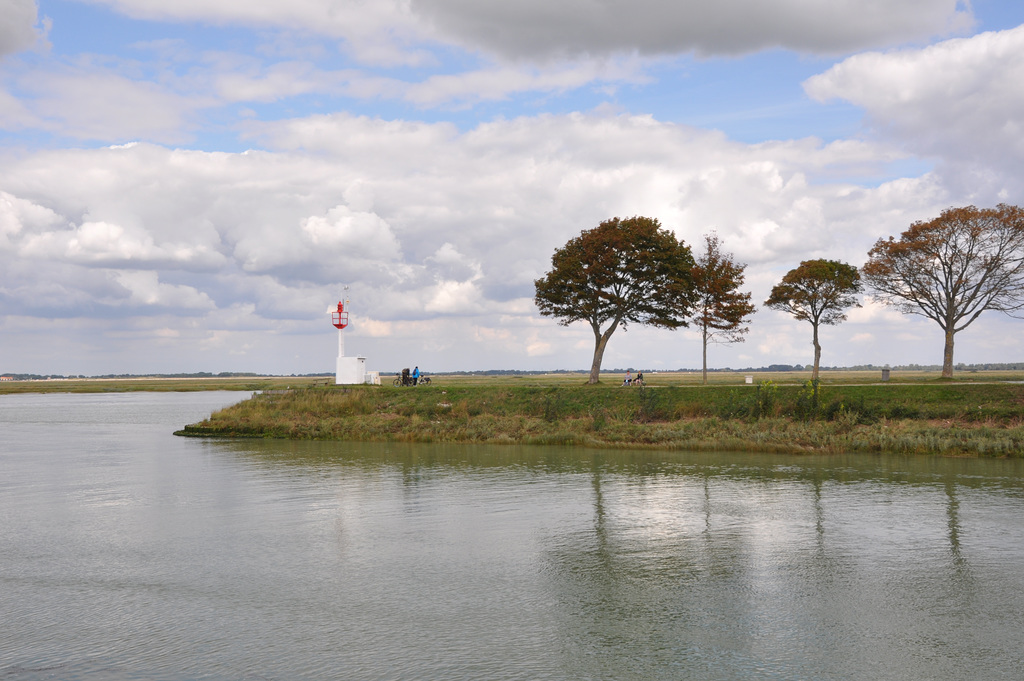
<point x="947" y="353"/>
<point x="704" y="371"/>
<point x="817" y="354"/>
<point x="600" y="343"/>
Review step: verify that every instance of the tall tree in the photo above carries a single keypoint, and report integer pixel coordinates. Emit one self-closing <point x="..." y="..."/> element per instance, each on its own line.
<point x="621" y="271"/>
<point x="720" y="310"/>
<point x="818" y="291"/>
<point x="953" y="268"/>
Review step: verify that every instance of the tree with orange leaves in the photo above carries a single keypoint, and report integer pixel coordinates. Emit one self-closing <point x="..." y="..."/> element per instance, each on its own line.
<point x="620" y="272"/>
<point x="818" y="291"/>
<point x="953" y="268"/>
<point x="721" y="309"/>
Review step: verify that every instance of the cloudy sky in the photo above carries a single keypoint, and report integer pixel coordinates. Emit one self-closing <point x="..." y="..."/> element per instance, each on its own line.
<point x="189" y="185"/>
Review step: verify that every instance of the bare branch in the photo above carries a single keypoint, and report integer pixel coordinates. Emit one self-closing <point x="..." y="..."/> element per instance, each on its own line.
<point x="953" y="268"/>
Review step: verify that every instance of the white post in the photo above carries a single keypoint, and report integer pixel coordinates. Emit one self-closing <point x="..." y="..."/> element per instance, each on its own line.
<point x="339" y="369"/>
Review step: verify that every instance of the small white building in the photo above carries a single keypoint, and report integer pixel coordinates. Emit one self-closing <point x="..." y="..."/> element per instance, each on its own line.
<point x="350" y="371"/>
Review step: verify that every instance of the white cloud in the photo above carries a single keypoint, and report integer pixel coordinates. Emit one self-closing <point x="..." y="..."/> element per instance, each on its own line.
<point x="14" y="115"/>
<point x="88" y="101"/>
<point x="538" y="348"/>
<point x="17" y="25"/>
<point x="440" y="228"/>
<point x="960" y="101"/>
<point x="390" y="31"/>
<point x="377" y="32"/>
<point x="454" y="298"/>
<point x="254" y="81"/>
<point x="111" y="245"/>
<point x="374" y="328"/>
<point x="352" y="233"/>
<point x="145" y="288"/>
<point x="372" y="141"/>
<point x="500" y="82"/>
<point x="441" y="200"/>
<point x="532" y="28"/>
<point x="167" y="99"/>
<point x="438" y="233"/>
<point x="18" y="216"/>
<point x="450" y="264"/>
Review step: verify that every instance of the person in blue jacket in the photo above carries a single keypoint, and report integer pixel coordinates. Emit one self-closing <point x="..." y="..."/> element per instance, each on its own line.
<point x="415" y="375"/>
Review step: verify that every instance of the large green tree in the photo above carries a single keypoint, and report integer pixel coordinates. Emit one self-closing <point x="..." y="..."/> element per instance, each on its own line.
<point x="620" y="272"/>
<point x="720" y="310"/>
<point x="819" y="292"/>
<point x="953" y="268"/>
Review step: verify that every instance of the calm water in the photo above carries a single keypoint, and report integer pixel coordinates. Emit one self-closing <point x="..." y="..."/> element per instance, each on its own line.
<point x="127" y="553"/>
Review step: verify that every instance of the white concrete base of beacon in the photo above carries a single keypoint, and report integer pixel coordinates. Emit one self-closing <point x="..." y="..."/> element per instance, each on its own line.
<point x="351" y="371"/>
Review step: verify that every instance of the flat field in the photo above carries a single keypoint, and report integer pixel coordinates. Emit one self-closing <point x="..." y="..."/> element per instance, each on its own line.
<point x="158" y="384"/>
<point x="653" y="379"/>
<point x="725" y="378"/>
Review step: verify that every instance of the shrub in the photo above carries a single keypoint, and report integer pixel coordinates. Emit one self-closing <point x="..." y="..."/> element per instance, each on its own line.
<point x="767" y="393"/>
<point x="648" y="409"/>
<point x="552" y="407"/>
<point x="902" y="411"/>
<point x="807" y="404"/>
<point x="735" y="406"/>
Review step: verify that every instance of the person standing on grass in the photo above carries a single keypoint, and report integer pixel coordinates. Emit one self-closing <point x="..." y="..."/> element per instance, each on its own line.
<point x="415" y="375"/>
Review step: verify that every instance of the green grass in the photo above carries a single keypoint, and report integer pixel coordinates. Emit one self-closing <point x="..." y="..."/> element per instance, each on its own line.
<point x="731" y="378"/>
<point x="975" y="414"/>
<point x="145" y="384"/>
<point x="723" y="379"/>
<point x="963" y="419"/>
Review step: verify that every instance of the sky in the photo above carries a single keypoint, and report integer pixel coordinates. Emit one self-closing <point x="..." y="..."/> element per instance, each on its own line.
<point x="188" y="186"/>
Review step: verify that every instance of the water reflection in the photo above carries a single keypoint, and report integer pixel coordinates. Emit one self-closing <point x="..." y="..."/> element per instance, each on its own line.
<point x="127" y="553"/>
<point x="733" y="565"/>
<point x="1005" y="474"/>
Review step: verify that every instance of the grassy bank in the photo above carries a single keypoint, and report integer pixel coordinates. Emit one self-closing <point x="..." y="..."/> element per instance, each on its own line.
<point x="157" y="384"/>
<point x="959" y="418"/>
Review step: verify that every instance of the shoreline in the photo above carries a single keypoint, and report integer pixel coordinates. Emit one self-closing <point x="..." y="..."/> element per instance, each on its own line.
<point x="968" y="419"/>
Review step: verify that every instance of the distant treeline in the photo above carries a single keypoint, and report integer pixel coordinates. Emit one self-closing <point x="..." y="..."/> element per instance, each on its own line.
<point x="199" y="374"/>
<point x="989" y="366"/>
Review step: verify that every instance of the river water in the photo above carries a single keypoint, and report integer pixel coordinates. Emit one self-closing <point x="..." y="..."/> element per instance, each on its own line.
<point x="128" y="553"/>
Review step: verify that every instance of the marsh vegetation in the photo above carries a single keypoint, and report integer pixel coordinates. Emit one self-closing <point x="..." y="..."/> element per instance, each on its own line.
<point x="957" y="419"/>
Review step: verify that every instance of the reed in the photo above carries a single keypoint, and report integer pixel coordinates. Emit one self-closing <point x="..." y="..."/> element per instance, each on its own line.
<point x="953" y="420"/>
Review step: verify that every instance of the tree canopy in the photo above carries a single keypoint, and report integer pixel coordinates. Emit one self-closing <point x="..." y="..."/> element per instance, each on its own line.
<point x="720" y="309"/>
<point x="819" y="292"/>
<point x="622" y="271"/>
<point x="953" y="268"/>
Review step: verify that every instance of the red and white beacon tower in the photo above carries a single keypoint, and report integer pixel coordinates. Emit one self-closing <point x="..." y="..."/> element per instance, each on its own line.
<point x="350" y="370"/>
<point x="339" y="318"/>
